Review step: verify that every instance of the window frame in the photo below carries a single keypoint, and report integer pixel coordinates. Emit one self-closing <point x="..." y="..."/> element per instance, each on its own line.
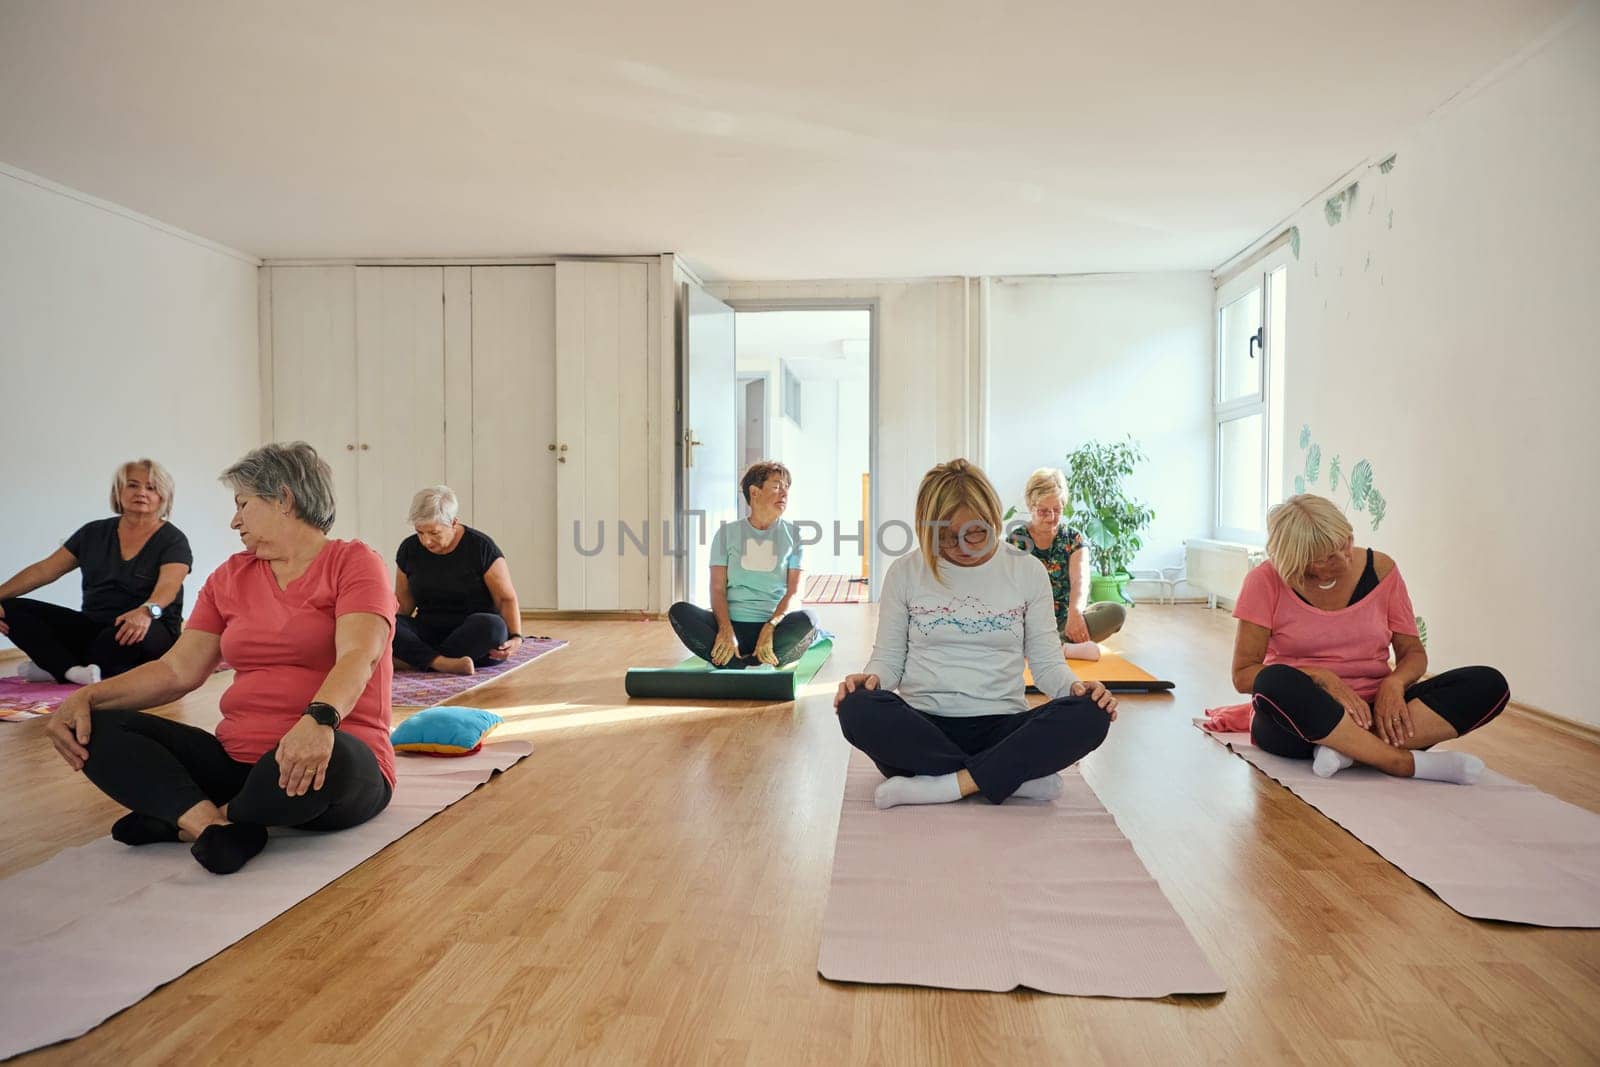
<point x="1267" y="401"/>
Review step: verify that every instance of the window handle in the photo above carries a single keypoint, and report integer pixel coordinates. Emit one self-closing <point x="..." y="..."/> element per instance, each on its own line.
<point x="1258" y="340"/>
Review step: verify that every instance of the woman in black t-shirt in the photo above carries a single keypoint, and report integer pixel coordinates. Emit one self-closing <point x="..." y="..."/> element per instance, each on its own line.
<point x="133" y="569"/>
<point x="458" y="610"/>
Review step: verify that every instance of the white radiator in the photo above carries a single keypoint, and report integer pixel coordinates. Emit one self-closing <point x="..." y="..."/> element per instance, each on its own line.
<point x="1217" y="568"/>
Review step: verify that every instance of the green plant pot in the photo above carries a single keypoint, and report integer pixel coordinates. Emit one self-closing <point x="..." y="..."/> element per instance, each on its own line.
<point x="1112" y="587"/>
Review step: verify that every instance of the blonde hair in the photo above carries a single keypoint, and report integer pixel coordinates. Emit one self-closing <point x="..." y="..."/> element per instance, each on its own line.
<point x="1042" y="483"/>
<point x="945" y="490"/>
<point x="1302" y="530"/>
<point x="160" y="481"/>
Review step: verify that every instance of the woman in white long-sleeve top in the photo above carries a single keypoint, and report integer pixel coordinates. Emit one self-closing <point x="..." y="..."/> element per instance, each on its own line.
<point x="940" y="707"/>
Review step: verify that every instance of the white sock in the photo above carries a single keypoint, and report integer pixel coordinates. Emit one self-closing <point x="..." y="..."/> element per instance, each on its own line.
<point x="1082" y="650"/>
<point x="30" y="671"/>
<point x="1325" y="762"/>
<point x="922" y="789"/>
<point x="1046" y="788"/>
<point x="87" y="675"/>
<point x="1457" y="767"/>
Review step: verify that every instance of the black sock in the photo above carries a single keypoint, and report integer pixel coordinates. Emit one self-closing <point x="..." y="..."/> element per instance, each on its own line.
<point x="224" y="848"/>
<point x="136" y="829"/>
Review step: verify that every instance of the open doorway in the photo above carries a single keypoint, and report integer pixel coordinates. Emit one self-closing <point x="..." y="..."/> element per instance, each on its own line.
<point x="804" y="399"/>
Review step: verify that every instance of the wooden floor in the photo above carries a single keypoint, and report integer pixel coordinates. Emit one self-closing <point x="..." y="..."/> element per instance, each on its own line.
<point x="649" y="888"/>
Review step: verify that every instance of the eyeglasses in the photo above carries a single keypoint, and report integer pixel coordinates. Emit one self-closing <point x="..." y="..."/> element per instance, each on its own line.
<point x="973" y="535"/>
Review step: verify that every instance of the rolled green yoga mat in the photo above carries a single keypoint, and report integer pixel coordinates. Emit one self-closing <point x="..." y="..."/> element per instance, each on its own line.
<point x="695" y="678"/>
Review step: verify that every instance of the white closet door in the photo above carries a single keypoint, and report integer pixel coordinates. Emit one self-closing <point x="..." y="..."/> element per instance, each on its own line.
<point x="314" y="373"/>
<point x="514" y="423"/>
<point x="400" y="405"/>
<point x="602" y="350"/>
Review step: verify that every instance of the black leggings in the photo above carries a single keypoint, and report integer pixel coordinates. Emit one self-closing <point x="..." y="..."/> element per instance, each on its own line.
<point x="1293" y="713"/>
<point x="697" y="629"/>
<point x="999" y="751"/>
<point x="58" y="638"/>
<point x="161" y="768"/>
<point x="418" y="640"/>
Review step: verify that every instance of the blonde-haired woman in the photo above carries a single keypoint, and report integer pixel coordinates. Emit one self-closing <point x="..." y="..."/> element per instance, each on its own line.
<point x="1063" y="552"/>
<point x="1316" y="625"/>
<point x="458" y="609"/>
<point x="940" y="706"/>
<point x="133" y="564"/>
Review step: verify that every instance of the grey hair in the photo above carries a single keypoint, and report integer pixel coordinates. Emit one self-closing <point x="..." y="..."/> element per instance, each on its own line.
<point x="437" y="503"/>
<point x="291" y="471"/>
<point x="160" y="481"/>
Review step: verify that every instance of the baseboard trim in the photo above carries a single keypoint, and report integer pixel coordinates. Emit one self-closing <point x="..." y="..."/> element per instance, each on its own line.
<point x="1571" y="727"/>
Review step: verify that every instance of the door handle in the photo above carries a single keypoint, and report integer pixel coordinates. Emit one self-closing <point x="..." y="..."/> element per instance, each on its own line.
<point x="689" y="444"/>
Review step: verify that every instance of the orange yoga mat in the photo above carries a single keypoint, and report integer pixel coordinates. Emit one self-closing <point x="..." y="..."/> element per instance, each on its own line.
<point x="1114" y="672"/>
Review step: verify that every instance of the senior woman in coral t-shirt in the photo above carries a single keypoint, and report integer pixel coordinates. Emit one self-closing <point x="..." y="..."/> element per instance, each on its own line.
<point x="1316" y="626"/>
<point x="305" y="621"/>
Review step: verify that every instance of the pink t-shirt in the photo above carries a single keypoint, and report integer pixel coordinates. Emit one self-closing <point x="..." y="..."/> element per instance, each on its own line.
<point x="1352" y="642"/>
<point x="280" y="644"/>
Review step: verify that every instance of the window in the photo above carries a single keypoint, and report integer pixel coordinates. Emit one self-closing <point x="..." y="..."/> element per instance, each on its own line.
<point x="791" y="395"/>
<point x="1251" y="313"/>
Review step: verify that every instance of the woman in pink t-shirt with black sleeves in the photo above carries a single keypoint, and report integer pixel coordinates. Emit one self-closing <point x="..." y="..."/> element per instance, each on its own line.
<point x="1316" y="626"/>
<point x="305" y="622"/>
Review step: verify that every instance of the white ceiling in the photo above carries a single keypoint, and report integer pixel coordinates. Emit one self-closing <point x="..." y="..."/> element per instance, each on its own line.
<point x="830" y="139"/>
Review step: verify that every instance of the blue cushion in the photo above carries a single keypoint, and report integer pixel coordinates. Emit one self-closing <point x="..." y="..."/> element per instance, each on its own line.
<point x="445" y="731"/>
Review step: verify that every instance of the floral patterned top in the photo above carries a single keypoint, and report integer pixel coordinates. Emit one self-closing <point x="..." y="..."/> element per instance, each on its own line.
<point x="1055" y="560"/>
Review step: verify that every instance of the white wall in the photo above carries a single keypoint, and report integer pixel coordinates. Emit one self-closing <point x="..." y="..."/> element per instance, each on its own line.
<point x="1096" y="357"/>
<point x="119" y="338"/>
<point x="1446" y="330"/>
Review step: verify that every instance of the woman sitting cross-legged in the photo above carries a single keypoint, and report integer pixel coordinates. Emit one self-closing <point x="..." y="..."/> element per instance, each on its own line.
<point x="755" y="576"/>
<point x="456" y="581"/>
<point x="304" y="740"/>
<point x="1066" y="560"/>
<point x="956" y="620"/>
<point x="133" y="568"/>
<point x="1316" y="624"/>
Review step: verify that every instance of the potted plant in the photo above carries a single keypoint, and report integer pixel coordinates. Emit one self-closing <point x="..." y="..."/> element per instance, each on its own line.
<point x="1105" y="514"/>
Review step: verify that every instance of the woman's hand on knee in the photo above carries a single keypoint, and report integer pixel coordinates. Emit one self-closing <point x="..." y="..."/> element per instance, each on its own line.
<point x="851" y="683"/>
<point x="69" y="729"/>
<point x="302" y="755"/>
<point x="1098" y="693"/>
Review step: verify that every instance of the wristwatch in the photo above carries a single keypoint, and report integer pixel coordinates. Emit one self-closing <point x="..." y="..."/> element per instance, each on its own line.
<point x="154" y="609"/>
<point x="323" y="714"/>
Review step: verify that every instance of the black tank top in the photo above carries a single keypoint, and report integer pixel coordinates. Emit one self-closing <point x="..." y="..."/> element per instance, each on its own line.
<point x="1364" y="584"/>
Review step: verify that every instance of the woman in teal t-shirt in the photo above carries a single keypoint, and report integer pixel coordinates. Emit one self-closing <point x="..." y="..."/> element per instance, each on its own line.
<point x="755" y="574"/>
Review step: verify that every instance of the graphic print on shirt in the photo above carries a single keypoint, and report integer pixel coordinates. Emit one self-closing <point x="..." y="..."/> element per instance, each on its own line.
<point x="759" y="555"/>
<point x="966" y="614"/>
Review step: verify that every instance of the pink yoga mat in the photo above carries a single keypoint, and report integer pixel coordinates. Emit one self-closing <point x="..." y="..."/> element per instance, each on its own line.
<point x="21" y="700"/>
<point x="1500" y="849"/>
<point x="1045" y="895"/>
<point x="427" y="688"/>
<point x="95" y="929"/>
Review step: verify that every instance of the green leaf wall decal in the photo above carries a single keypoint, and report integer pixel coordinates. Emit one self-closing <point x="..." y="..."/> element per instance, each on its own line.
<point x="1360" y="484"/>
<point x="1333" y="475"/>
<point x="1313" y="463"/>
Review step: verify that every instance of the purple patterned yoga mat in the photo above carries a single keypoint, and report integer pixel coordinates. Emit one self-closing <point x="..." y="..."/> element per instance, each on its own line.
<point x="21" y="700"/>
<point x="427" y="688"/>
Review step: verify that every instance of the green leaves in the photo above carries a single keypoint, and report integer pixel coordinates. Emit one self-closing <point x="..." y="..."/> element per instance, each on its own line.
<point x="1313" y="463"/>
<point x="1305" y="436"/>
<point x="1101" y="508"/>
<point x="1422" y="630"/>
<point x="1360" y="484"/>
<point x="1299" y="484"/>
<point x="1333" y="475"/>
<point x="1377" y="506"/>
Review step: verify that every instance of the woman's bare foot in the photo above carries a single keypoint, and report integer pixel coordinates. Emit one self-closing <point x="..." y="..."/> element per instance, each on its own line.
<point x="454" y="665"/>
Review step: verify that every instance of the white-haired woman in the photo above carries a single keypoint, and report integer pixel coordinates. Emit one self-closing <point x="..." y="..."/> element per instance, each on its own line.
<point x="1317" y="622"/>
<point x="1063" y="552"/>
<point x="956" y="621"/>
<point x="133" y="565"/>
<point x="304" y="740"/>
<point x="458" y="608"/>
